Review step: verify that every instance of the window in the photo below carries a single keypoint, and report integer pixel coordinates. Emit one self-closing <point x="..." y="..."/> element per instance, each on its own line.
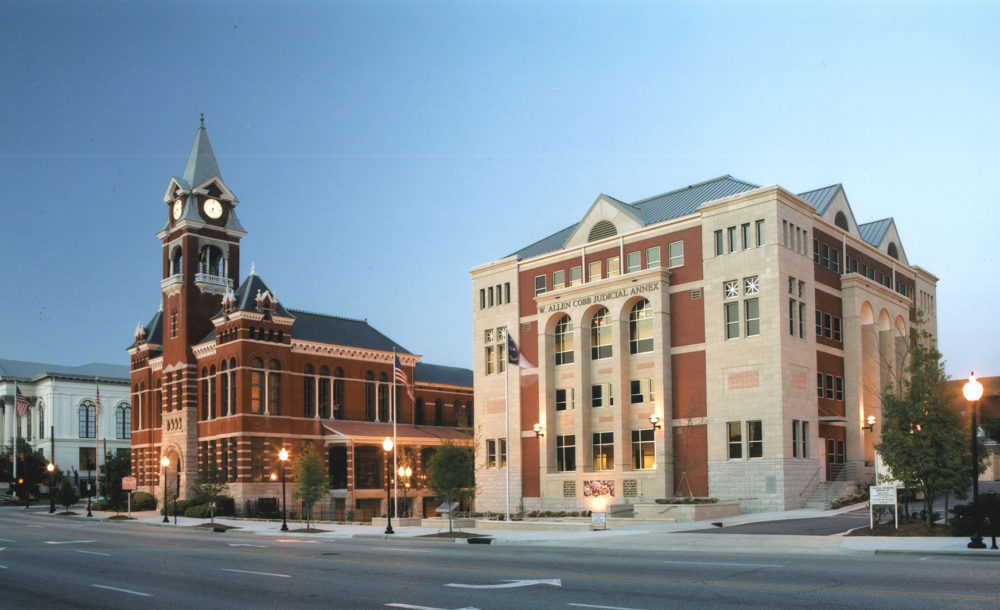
<point x="594" y="271"/>
<point x="635" y="387"/>
<point x="503" y="453"/>
<point x="795" y="438"/>
<point x="651" y="385"/>
<point x="565" y="398"/>
<point x="640" y="328"/>
<point x="539" y="284"/>
<point x="383" y="398"/>
<point x="745" y="235"/>
<point x="731" y="289"/>
<point x="643" y="457"/>
<point x="827" y="326"/>
<point x="438" y="412"/>
<point x="309" y="392"/>
<point x="835" y="259"/>
<point x="805" y="440"/>
<point x="732" y="311"/>
<point x="575" y="276"/>
<point x="274" y="388"/>
<point x="826" y="256"/>
<point x="257" y="458"/>
<point x="123" y="421"/>
<point x="491" y="453"/>
<point x="614" y="266"/>
<point x="604" y="450"/>
<point x="760" y="232"/>
<point x="489" y="293"/>
<point x="819" y="323"/>
<point x="802" y="320"/>
<point x="602" y="395"/>
<point x="41" y="421"/>
<point x="564" y="340"/>
<point x="752" y="307"/>
<point x="829" y="386"/>
<point x="718" y="243"/>
<point x="653" y="257"/>
<point x="751" y="285"/>
<point x="675" y="254"/>
<point x="838" y="385"/>
<point x="755" y="439"/>
<point x="633" y="262"/>
<point x="735" y="435"/>
<point x="370" y="396"/>
<point x="731" y="238"/>
<point x="836" y="328"/>
<point x="792" y="308"/>
<point x="482" y="298"/>
<point x="257" y="386"/>
<point x="558" y="279"/>
<point x="819" y="385"/>
<point x="496" y="350"/>
<point x="324" y="392"/>
<point x="600" y="335"/>
<point x="816" y="251"/>
<point x="418" y="411"/>
<point x="490" y="359"/>
<point x="566" y="453"/>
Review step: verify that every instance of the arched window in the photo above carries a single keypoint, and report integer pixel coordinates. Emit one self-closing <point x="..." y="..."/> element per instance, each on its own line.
<point x="324" y="392"/>
<point x="213" y="392"/>
<point x="418" y="412"/>
<point x="601" y="230"/>
<point x="309" y="392"/>
<point x="224" y="387"/>
<point x="257" y="386"/>
<point x="564" y="340"/>
<point x="274" y="388"/>
<point x="27" y="434"/>
<point x="338" y="393"/>
<point x="204" y="394"/>
<point x="600" y="335"/>
<point x="369" y="396"/>
<point x="88" y="427"/>
<point x="893" y="250"/>
<point x="640" y="328"/>
<point x="383" y="397"/>
<point x="841" y="221"/>
<point x="438" y="412"/>
<point x="177" y="261"/>
<point x="123" y="421"/>
<point x="231" y="407"/>
<point x="158" y="416"/>
<point x="210" y="260"/>
<point x="41" y="420"/>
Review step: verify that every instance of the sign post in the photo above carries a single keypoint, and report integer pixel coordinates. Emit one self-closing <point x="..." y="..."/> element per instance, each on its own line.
<point x="128" y="484"/>
<point x="598" y="521"/>
<point x="882" y="495"/>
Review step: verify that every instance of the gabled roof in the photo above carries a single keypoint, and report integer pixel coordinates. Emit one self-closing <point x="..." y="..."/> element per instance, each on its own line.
<point x="335" y="330"/>
<point x="444" y="375"/>
<point x="246" y="296"/>
<point x="821" y="197"/>
<point x="873" y="232"/>
<point x="154" y="330"/>
<point x="26" y="371"/>
<point x="659" y="208"/>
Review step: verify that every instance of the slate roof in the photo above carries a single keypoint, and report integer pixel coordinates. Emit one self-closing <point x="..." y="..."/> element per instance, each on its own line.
<point x="821" y="198"/>
<point x="335" y="330"/>
<point x="659" y="208"/>
<point x="201" y="165"/>
<point x="27" y="371"/>
<point x="154" y="330"/>
<point x="246" y="296"/>
<point x="444" y="375"/>
<point x="873" y="232"/>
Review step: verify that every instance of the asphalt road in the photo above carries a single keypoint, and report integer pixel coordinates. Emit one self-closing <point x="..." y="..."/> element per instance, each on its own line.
<point x="48" y="562"/>
<point x="819" y="526"/>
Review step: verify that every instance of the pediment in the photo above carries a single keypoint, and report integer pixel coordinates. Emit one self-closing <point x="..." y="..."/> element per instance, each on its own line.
<point x="605" y="218"/>
<point x="838" y="212"/>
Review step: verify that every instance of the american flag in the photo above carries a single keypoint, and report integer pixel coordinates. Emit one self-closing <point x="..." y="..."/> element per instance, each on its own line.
<point x="97" y="400"/>
<point x="21" y="402"/>
<point x="400" y="375"/>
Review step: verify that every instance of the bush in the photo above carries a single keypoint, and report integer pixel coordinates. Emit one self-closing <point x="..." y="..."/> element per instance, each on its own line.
<point x="686" y="500"/>
<point x="198" y="511"/>
<point x="962" y="522"/>
<point x="180" y="508"/>
<point x="859" y="496"/>
<point x="101" y="505"/>
<point x="143" y="501"/>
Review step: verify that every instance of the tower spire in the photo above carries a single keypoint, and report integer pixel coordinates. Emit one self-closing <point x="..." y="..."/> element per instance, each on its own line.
<point x="201" y="165"/>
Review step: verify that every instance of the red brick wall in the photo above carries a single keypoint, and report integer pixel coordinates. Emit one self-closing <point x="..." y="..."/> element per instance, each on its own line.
<point x="688" y="398"/>
<point x="687" y="319"/>
<point x="691" y="460"/>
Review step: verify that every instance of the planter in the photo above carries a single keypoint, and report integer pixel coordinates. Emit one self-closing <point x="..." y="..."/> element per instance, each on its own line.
<point x="687" y="512"/>
<point x="397" y="521"/>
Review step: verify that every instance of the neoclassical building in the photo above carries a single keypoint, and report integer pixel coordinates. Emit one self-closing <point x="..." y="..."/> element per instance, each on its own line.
<point x="225" y="375"/>
<point x="723" y="339"/>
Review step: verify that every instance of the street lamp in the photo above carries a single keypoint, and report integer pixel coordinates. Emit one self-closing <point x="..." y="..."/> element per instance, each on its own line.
<point x="165" y="462"/>
<point x="90" y="489"/>
<point x="387" y="445"/>
<point x="537" y="429"/>
<point x="52" y="496"/>
<point x="973" y="391"/>
<point x="870" y="420"/>
<point x="654" y="419"/>
<point x="406" y="473"/>
<point x="283" y="456"/>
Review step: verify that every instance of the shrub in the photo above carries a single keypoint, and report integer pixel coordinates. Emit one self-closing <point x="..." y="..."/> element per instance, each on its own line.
<point x="143" y="501"/>
<point x="181" y="506"/>
<point x="100" y="505"/>
<point x="962" y="523"/>
<point x="859" y="496"/>
<point x="198" y="511"/>
<point x="686" y="500"/>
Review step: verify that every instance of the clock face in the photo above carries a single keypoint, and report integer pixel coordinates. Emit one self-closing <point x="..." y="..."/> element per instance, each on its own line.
<point x="213" y="209"/>
<point x="178" y="207"/>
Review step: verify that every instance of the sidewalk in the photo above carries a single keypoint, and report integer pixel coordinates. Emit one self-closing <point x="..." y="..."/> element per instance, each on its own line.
<point x="662" y="537"/>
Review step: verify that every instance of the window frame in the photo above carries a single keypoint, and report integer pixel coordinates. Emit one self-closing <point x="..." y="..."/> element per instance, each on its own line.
<point x="603" y="451"/>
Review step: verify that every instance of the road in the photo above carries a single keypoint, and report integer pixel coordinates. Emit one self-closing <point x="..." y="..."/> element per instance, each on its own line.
<point x="53" y="562"/>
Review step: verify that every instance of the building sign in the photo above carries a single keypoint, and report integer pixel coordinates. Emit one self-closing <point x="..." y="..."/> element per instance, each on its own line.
<point x="883" y="495"/>
<point x="128" y="483"/>
<point x="598" y="521"/>
<point x="599" y="489"/>
<point x="600" y="297"/>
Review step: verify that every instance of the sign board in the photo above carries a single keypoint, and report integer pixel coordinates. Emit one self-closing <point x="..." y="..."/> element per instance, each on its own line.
<point x="598" y="521"/>
<point x="446" y="507"/>
<point x="128" y="483"/>
<point x="882" y="495"/>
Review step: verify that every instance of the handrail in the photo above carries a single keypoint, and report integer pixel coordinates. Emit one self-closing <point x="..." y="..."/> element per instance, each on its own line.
<point x="810" y="482"/>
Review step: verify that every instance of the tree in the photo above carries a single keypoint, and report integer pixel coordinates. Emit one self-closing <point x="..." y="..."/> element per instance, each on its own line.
<point x="115" y="469"/>
<point x="310" y="481"/>
<point x="211" y="486"/>
<point x="923" y="441"/>
<point x="67" y="495"/>
<point x="450" y="475"/>
<point x="30" y="467"/>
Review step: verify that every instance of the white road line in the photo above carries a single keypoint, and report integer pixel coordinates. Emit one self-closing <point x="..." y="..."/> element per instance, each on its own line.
<point x="95" y="553"/>
<point x="412" y="607"/>
<point x="742" y="565"/>
<point x="69" y="541"/>
<point x="256" y="546"/>
<point x="606" y="607"/>
<point x="139" y="593"/>
<point x="3" y="567"/>
<point x="297" y="540"/>
<point x="257" y="573"/>
<point x="35" y="526"/>
<point x="6" y="540"/>
<point x="398" y="549"/>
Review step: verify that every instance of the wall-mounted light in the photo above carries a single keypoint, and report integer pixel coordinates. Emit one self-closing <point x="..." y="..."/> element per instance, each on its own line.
<point x="537" y="428"/>
<point x="655" y="420"/>
<point x="870" y="420"/>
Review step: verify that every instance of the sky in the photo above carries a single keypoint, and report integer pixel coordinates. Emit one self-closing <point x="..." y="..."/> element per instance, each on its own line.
<point x="381" y="150"/>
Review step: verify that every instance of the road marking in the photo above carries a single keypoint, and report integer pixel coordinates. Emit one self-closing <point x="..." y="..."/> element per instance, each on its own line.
<point x="35" y="526"/>
<point x="607" y="607"/>
<point x="130" y="592"/>
<point x="95" y="553"/>
<point x="257" y="573"/>
<point x="742" y="565"/>
<point x="6" y="540"/>
<point x="297" y="540"/>
<point x="426" y="607"/>
<point x="69" y="541"/>
<point x="3" y="567"/>
<point x="398" y="549"/>
<point x="256" y="546"/>
<point x="510" y="584"/>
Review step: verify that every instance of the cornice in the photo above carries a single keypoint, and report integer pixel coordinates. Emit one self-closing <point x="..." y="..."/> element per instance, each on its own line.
<point x="352" y="353"/>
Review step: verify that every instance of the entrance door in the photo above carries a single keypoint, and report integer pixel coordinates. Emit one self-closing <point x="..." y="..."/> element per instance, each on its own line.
<point x="834" y="459"/>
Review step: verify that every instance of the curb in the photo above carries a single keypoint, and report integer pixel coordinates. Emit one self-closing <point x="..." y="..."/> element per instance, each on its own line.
<point x="955" y="553"/>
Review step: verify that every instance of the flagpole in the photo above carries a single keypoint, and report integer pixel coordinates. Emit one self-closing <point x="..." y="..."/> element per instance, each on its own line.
<point x="506" y="409"/>
<point x="395" y="449"/>
<point x="17" y="429"/>
<point x="97" y="442"/>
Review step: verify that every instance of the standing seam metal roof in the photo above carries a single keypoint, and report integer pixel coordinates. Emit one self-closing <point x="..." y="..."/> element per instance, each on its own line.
<point x="874" y="232"/>
<point x="820" y="198"/>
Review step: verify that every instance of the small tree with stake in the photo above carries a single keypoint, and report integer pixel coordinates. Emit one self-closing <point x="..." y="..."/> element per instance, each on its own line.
<point x="310" y="482"/>
<point x="450" y="476"/>
<point x="212" y="484"/>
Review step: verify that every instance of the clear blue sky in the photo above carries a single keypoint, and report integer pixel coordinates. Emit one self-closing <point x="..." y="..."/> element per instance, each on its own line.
<point x="380" y="150"/>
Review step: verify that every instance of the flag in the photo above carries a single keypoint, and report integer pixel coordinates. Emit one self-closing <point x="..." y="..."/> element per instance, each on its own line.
<point x="400" y="376"/>
<point x="97" y="400"/>
<point x="514" y="355"/>
<point x="21" y="402"/>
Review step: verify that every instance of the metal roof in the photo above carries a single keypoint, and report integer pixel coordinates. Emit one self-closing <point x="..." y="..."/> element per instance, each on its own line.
<point x="201" y="165"/>
<point x="444" y="375"/>
<point x="27" y="371"/>
<point x="335" y="330"/>
<point x="820" y="198"/>
<point x="873" y="232"/>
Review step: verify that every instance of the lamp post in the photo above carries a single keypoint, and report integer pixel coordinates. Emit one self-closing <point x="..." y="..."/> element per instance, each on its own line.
<point x="973" y="391"/>
<point x="52" y="495"/>
<point x="406" y="472"/>
<point x="283" y="456"/>
<point x="90" y="488"/>
<point x="387" y="445"/>
<point x="165" y="462"/>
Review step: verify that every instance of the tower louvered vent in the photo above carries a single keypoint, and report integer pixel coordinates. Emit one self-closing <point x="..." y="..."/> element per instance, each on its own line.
<point x="893" y="251"/>
<point x="602" y="230"/>
<point x="841" y="221"/>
